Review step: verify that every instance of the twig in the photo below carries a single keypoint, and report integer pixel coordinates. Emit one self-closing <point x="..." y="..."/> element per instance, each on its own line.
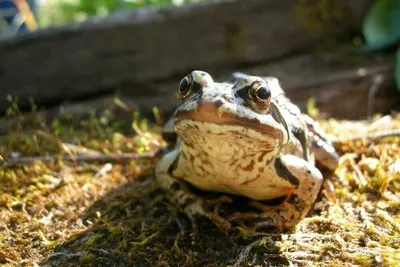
<point x="369" y="136"/>
<point x="373" y="90"/>
<point x="103" y="157"/>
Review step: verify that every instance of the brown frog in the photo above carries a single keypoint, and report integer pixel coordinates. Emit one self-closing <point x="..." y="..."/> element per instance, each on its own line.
<point x="244" y="137"/>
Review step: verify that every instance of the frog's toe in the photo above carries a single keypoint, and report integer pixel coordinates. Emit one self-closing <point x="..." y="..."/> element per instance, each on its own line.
<point x="198" y="209"/>
<point x="267" y="218"/>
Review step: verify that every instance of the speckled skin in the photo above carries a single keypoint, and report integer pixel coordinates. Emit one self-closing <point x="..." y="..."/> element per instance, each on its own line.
<point x="242" y="140"/>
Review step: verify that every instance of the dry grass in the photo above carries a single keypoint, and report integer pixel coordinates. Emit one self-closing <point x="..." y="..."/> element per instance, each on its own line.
<point x="66" y="213"/>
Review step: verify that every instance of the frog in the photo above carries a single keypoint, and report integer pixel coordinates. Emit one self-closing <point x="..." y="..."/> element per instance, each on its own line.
<point x="244" y="137"/>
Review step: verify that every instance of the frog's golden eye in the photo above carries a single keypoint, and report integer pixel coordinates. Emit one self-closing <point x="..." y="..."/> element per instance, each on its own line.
<point x="184" y="86"/>
<point x="262" y="93"/>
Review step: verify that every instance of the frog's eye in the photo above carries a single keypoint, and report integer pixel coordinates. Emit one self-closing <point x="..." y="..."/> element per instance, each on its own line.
<point x="263" y="93"/>
<point x="260" y="94"/>
<point x="188" y="86"/>
<point x="184" y="86"/>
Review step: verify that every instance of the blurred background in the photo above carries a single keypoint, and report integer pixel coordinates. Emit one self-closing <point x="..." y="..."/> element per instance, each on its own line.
<point x="25" y="15"/>
<point x="340" y="53"/>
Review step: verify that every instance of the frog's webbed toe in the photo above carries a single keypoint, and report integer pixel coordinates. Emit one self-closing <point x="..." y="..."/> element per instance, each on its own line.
<point x="194" y="206"/>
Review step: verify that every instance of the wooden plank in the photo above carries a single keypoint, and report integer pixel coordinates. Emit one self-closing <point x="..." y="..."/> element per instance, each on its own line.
<point x="341" y="89"/>
<point x="85" y="59"/>
<point x="340" y="84"/>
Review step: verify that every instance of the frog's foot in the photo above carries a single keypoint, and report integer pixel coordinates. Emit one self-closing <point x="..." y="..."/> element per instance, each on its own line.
<point x="306" y="183"/>
<point x="200" y="208"/>
<point x="266" y="217"/>
<point x="266" y="208"/>
<point x="192" y="205"/>
<point x="260" y="220"/>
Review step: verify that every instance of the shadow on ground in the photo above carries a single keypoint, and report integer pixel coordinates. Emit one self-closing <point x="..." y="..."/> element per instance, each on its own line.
<point x="134" y="225"/>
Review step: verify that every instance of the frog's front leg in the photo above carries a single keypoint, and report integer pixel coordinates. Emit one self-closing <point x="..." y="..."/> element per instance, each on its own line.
<point x="179" y="193"/>
<point x="306" y="181"/>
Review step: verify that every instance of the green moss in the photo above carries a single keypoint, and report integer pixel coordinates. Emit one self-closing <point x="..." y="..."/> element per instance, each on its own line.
<point x="87" y="258"/>
<point x="92" y="214"/>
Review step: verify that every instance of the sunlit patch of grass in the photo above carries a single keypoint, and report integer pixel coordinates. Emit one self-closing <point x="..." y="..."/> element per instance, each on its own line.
<point x="80" y="212"/>
<point x="41" y="202"/>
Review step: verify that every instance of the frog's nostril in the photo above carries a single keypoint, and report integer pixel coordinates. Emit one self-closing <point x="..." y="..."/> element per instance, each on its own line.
<point x="219" y="103"/>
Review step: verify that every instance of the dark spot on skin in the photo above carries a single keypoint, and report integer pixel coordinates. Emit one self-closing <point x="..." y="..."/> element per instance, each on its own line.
<point x="205" y="162"/>
<point x="202" y="169"/>
<point x="174" y="165"/>
<point x="227" y="98"/>
<point x="196" y="87"/>
<point x="251" y="180"/>
<point x="243" y="93"/>
<point x="308" y="171"/>
<point x="293" y="199"/>
<point x="190" y="145"/>
<point x="219" y="103"/>
<point x="269" y="161"/>
<point x="175" y="186"/>
<point x="260" y="169"/>
<point x="278" y="117"/>
<point x="203" y="74"/>
<point x="261" y="157"/>
<point x="284" y="173"/>
<point x="249" y="167"/>
<point x="191" y="158"/>
<point x="301" y="136"/>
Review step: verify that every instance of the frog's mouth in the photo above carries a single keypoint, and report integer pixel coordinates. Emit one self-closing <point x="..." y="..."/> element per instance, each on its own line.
<point x="224" y="119"/>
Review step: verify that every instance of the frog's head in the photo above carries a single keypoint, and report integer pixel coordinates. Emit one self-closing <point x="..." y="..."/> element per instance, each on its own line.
<point x="245" y="110"/>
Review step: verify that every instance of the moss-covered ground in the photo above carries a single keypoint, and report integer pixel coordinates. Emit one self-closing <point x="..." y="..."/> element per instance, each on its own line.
<point x="63" y="204"/>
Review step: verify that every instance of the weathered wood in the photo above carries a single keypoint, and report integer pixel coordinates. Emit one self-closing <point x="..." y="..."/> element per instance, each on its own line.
<point x="85" y="59"/>
<point x="341" y="89"/>
<point x="339" y="84"/>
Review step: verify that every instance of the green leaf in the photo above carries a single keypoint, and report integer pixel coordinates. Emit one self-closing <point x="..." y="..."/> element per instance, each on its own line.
<point x="381" y="26"/>
<point x="397" y="69"/>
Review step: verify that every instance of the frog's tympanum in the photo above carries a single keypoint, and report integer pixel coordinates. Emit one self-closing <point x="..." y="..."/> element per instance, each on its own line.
<point x="247" y="139"/>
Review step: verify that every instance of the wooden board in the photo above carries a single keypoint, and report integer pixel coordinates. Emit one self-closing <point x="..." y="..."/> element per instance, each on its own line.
<point x="81" y="60"/>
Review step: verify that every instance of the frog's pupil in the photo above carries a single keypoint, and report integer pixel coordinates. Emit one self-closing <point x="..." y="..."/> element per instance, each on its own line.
<point x="263" y="93"/>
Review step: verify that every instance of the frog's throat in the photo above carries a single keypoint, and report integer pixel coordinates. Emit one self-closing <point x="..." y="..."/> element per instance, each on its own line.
<point x="235" y="136"/>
